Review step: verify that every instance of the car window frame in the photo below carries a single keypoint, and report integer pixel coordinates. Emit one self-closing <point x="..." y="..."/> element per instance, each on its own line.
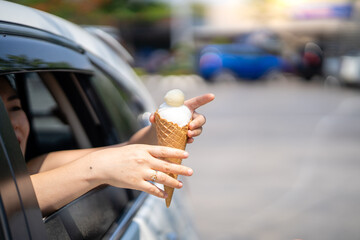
<point x="135" y="198"/>
<point x="20" y="212"/>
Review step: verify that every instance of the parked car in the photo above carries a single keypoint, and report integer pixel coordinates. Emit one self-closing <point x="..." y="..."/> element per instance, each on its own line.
<point x="349" y="72"/>
<point x="343" y="70"/>
<point x="242" y="61"/>
<point x="77" y="93"/>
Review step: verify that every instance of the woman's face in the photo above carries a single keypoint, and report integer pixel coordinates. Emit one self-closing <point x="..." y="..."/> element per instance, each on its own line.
<point x="17" y="116"/>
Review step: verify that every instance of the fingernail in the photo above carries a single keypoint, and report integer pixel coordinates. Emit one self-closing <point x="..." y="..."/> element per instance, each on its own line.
<point x="186" y="154"/>
<point x="180" y="184"/>
<point x="190" y="133"/>
<point x="190" y="171"/>
<point x="165" y="195"/>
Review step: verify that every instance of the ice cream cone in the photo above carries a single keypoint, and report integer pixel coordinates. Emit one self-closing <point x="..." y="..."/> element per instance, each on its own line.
<point x="171" y="135"/>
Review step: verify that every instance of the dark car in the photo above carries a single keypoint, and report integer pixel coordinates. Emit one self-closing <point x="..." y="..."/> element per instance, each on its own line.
<point x="243" y="61"/>
<point x="77" y="92"/>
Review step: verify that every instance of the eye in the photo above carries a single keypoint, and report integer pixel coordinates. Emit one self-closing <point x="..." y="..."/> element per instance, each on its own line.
<point x="15" y="108"/>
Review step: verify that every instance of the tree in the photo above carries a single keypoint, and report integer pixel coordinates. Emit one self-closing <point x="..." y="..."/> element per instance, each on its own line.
<point x="109" y="12"/>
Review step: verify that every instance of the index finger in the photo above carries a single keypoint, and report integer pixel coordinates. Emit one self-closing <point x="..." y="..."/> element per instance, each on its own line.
<point x="167" y="152"/>
<point x="199" y="101"/>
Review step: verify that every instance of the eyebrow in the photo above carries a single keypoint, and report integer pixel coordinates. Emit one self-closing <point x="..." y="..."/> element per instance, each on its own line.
<point x="13" y="97"/>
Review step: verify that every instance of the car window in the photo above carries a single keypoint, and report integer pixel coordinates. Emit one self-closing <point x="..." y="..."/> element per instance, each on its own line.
<point x="49" y="126"/>
<point x="120" y="105"/>
<point x="50" y="129"/>
<point x="91" y="215"/>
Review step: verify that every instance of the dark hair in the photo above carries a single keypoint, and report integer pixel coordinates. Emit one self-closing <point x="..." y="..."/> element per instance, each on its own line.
<point x="10" y="78"/>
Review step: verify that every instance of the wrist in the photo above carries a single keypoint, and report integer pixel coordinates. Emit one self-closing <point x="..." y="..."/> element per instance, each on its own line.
<point x="92" y="169"/>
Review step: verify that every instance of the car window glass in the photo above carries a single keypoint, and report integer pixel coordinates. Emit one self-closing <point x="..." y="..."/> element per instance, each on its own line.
<point x="117" y="103"/>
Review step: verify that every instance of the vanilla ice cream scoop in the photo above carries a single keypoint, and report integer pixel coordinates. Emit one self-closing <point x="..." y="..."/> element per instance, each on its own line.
<point x="173" y="109"/>
<point x="174" y="98"/>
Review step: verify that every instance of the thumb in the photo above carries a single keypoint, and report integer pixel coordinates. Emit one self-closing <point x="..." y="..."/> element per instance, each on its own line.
<point x="152" y="118"/>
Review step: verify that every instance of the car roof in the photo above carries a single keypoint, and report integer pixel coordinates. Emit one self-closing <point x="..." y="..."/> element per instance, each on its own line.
<point x="26" y="16"/>
<point x="22" y="15"/>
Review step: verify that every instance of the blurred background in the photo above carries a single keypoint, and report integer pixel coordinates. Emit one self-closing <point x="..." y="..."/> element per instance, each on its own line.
<point x="279" y="157"/>
<point x="209" y="38"/>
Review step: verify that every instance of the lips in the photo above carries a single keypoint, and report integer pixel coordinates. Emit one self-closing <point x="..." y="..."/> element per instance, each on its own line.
<point x="19" y="139"/>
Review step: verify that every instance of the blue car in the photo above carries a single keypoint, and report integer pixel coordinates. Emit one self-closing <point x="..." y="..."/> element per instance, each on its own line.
<point x="243" y="61"/>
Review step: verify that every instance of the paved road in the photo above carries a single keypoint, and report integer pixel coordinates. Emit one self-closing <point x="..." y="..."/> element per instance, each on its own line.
<point x="277" y="160"/>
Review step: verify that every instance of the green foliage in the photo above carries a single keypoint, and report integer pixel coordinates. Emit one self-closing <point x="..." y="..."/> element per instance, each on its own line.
<point x="137" y="11"/>
<point x="198" y="10"/>
<point x="102" y="11"/>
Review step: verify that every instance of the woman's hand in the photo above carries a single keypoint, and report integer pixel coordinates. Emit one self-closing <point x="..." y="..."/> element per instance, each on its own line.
<point x="198" y="120"/>
<point x="133" y="166"/>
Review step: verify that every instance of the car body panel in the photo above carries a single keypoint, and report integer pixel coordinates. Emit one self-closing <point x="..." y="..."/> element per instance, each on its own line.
<point x="171" y="223"/>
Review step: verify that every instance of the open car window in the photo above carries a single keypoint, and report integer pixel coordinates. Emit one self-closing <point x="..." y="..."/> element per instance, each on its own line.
<point x="50" y="127"/>
<point x="119" y="103"/>
<point x="69" y="110"/>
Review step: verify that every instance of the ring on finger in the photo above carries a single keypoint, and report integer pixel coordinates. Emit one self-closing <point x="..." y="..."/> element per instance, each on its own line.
<point x="154" y="176"/>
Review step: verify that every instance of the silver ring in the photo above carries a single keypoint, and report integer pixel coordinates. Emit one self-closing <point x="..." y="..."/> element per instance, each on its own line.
<point x="154" y="177"/>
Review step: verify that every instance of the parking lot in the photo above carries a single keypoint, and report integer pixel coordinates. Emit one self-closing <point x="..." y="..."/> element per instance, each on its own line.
<point x="277" y="160"/>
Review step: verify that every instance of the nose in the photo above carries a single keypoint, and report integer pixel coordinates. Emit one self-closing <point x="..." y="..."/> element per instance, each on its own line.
<point x="15" y="123"/>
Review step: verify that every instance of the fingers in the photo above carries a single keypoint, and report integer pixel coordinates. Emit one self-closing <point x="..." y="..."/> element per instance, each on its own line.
<point x="199" y="101"/>
<point x="165" y="179"/>
<point x="161" y="178"/>
<point x="168" y="167"/>
<point x="162" y="167"/>
<point x="152" y="118"/>
<point x="157" y="160"/>
<point x="152" y="189"/>
<point x="195" y="133"/>
<point x="195" y="126"/>
<point x="197" y="122"/>
<point x="167" y="152"/>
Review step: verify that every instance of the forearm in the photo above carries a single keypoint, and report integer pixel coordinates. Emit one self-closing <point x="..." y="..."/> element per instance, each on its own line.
<point x="54" y="160"/>
<point x="146" y="135"/>
<point x="46" y="162"/>
<point x="56" y="188"/>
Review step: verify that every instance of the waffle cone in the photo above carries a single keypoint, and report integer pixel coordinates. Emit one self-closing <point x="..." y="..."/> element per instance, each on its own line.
<point x="169" y="134"/>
